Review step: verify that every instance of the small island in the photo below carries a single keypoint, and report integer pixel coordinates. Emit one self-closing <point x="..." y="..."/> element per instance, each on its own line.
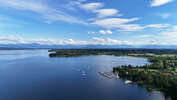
<point x="161" y="75"/>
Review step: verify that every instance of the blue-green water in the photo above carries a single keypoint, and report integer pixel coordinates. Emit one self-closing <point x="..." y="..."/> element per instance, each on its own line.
<point x="32" y="75"/>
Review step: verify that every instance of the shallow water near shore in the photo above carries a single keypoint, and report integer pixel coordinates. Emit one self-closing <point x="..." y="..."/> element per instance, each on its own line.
<point x="32" y="75"/>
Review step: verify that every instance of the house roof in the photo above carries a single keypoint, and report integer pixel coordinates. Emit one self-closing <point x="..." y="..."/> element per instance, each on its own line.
<point x="166" y="73"/>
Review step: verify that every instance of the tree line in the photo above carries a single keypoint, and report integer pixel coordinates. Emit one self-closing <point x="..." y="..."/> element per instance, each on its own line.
<point x="116" y="52"/>
<point x="166" y="83"/>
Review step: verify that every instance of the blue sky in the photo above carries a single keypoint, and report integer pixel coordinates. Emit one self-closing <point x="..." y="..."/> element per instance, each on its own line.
<point x="82" y="22"/>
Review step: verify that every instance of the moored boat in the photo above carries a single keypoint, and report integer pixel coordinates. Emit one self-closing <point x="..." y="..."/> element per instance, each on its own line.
<point x="128" y="82"/>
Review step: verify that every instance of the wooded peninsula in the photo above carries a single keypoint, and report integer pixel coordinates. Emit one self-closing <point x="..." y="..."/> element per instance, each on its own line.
<point x="160" y="75"/>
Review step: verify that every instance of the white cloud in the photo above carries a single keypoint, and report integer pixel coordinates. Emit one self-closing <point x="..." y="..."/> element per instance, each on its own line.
<point x="106" y="41"/>
<point x="102" y="32"/>
<point x="92" y="32"/>
<point x="165" y="15"/>
<point x="71" y="40"/>
<point x="10" y="39"/>
<point x="163" y="42"/>
<point x="120" y="15"/>
<point x="109" y="32"/>
<point x="48" y="22"/>
<point x="106" y="12"/>
<point x="105" y="32"/>
<point x="92" y="19"/>
<point x="40" y="7"/>
<point x="95" y="7"/>
<point x="113" y="22"/>
<point x="130" y="27"/>
<point x="157" y="25"/>
<point x="155" y="3"/>
<point x="141" y="36"/>
<point x="123" y="25"/>
<point x="91" y="6"/>
<point x="110" y="23"/>
<point x="169" y="34"/>
<point x="175" y="28"/>
<point x="15" y="39"/>
<point x="109" y="41"/>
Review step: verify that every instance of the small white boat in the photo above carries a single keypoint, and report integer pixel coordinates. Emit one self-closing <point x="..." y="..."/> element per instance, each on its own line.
<point x="82" y="71"/>
<point x="83" y="74"/>
<point x="128" y="82"/>
<point x="117" y="76"/>
<point x="78" y="70"/>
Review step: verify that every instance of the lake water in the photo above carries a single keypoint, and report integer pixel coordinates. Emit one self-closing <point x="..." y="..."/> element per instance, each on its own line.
<point x="32" y="75"/>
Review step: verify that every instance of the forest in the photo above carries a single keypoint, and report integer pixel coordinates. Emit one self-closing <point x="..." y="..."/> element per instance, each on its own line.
<point x="153" y="79"/>
<point x="115" y="52"/>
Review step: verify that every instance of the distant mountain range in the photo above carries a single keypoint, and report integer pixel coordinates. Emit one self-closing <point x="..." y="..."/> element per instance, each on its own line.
<point x="38" y="46"/>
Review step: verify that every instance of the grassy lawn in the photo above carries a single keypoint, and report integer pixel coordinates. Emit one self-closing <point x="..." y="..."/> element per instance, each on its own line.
<point x="168" y="55"/>
<point x="151" y="54"/>
<point x="140" y="70"/>
<point x="154" y="70"/>
<point x="136" y="54"/>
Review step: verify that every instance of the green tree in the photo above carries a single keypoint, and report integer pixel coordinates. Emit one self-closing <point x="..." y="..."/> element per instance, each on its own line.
<point x="149" y="80"/>
<point x="173" y="68"/>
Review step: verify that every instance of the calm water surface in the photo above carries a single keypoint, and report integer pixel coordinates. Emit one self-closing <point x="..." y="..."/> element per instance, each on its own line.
<point x="32" y="75"/>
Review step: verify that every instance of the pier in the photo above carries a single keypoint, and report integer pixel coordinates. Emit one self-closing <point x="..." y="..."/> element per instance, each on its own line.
<point x="109" y="74"/>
